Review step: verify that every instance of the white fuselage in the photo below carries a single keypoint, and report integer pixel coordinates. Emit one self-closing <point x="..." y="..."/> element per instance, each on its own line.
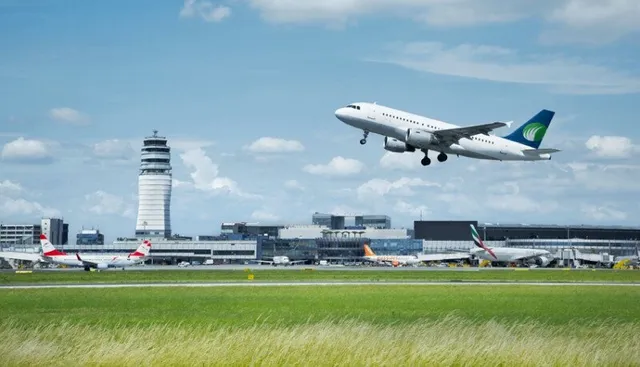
<point x="110" y="260"/>
<point x="510" y="254"/>
<point x="394" y="123"/>
<point x="404" y="260"/>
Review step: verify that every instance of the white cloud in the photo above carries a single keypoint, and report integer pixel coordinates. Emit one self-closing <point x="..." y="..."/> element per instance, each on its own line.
<point x="561" y="74"/>
<point x="69" y="115"/>
<point x="12" y="203"/>
<point x="604" y="19"/>
<point x="378" y="187"/>
<point x="293" y="185"/>
<point x="24" y="150"/>
<point x="274" y="145"/>
<point x="103" y="203"/>
<point x="611" y="146"/>
<point x="114" y="149"/>
<point x="401" y="161"/>
<point x="263" y="215"/>
<point x="603" y="213"/>
<point x="338" y="166"/>
<point x="436" y="12"/>
<point x="10" y="188"/>
<point x="412" y="210"/>
<point x="592" y="21"/>
<point x="205" y="175"/>
<point x="205" y="10"/>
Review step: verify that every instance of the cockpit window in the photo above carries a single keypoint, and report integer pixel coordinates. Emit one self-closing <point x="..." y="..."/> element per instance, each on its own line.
<point x="353" y="106"/>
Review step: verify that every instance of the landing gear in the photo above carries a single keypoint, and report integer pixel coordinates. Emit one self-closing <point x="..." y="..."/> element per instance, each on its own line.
<point x="442" y="157"/>
<point x="426" y="160"/>
<point x="363" y="141"/>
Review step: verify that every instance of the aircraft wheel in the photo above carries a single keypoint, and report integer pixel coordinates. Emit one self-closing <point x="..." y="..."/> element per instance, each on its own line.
<point x="363" y="141"/>
<point x="442" y="157"/>
<point x="425" y="161"/>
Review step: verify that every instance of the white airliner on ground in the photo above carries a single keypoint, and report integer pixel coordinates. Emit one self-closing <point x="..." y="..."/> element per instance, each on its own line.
<point x="394" y="260"/>
<point x="280" y="260"/>
<point x="407" y="132"/>
<point x="508" y="254"/>
<point x="52" y="255"/>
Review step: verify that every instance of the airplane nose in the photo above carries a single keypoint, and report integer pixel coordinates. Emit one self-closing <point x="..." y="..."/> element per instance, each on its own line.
<point x="341" y="113"/>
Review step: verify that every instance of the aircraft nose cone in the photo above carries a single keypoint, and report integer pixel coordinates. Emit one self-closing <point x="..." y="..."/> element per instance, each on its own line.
<point x="341" y="114"/>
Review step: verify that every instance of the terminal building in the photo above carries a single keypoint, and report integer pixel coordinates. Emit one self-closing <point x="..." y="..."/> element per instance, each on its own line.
<point x="21" y="235"/>
<point x="455" y="235"/>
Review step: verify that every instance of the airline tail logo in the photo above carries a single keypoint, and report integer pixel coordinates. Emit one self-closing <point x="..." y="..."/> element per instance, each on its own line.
<point x="143" y="250"/>
<point x="534" y="132"/>
<point x="368" y="251"/>
<point x="478" y="242"/>
<point x="47" y="247"/>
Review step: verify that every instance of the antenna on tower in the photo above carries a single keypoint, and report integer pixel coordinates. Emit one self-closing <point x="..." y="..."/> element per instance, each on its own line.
<point x="421" y="215"/>
<point x="155" y="133"/>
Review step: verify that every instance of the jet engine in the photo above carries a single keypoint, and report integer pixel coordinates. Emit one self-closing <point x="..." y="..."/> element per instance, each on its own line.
<point x="543" y="261"/>
<point x="102" y="266"/>
<point x="397" y="146"/>
<point x="420" y="138"/>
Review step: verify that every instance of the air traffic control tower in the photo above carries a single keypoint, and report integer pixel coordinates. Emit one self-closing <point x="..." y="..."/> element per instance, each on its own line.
<point x="154" y="188"/>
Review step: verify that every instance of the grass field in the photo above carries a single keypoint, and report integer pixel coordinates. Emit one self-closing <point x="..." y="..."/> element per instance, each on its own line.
<point x="322" y="326"/>
<point x="139" y="276"/>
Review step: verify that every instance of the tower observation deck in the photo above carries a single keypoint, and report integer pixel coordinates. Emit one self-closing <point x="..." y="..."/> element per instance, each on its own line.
<point x="154" y="188"/>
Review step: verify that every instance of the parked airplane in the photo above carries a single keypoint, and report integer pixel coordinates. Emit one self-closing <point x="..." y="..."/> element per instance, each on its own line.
<point x="281" y="260"/>
<point x="407" y="132"/>
<point x="390" y="259"/>
<point x="508" y="254"/>
<point x="53" y="255"/>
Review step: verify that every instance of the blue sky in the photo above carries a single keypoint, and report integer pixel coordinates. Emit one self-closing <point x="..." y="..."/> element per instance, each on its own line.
<point x="246" y="90"/>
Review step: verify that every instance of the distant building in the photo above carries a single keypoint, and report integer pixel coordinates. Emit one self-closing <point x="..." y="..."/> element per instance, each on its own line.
<point x="317" y="231"/>
<point x="456" y="235"/>
<point x="90" y="237"/>
<point x="154" y="188"/>
<point x="340" y="221"/>
<point x="29" y="234"/>
<point x="20" y="234"/>
<point x="53" y="228"/>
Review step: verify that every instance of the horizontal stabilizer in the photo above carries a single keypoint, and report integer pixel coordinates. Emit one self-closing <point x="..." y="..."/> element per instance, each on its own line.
<point x="540" y="151"/>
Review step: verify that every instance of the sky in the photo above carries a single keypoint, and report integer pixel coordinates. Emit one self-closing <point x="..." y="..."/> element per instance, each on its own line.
<point x="245" y="91"/>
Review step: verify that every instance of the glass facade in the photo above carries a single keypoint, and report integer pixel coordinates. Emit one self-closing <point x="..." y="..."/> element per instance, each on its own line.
<point x="443" y="230"/>
<point x="612" y="247"/>
<point x="95" y="238"/>
<point x="295" y="249"/>
<point x="396" y="247"/>
<point x="332" y="249"/>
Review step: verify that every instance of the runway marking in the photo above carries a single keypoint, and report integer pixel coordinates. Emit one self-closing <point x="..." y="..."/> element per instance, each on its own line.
<point x="306" y="284"/>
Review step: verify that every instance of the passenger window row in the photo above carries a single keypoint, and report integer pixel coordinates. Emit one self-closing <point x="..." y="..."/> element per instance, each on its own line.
<point x="409" y="120"/>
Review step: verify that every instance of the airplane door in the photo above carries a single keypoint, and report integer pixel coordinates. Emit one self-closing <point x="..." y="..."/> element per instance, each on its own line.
<point x="371" y="112"/>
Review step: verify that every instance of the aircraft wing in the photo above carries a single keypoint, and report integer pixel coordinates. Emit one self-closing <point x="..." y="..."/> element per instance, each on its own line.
<point x="451" y="136"/>
<point x="297" y="261"/>
<point x="16" y="255"/>
<point x="540" y="151"/>
<point x="89" y="262"/>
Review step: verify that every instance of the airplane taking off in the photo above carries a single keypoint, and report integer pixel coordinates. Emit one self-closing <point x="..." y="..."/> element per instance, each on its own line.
<point x="508" y="254"/>
<point x="407" y="132"/>
<point x="389" y="259"/>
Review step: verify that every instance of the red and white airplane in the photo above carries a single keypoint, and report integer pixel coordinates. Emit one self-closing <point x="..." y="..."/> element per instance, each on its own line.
<point x="52" y="255"/>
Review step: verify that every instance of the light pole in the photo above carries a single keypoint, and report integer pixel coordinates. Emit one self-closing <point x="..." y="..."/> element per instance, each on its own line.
<point x="144" y="229"/>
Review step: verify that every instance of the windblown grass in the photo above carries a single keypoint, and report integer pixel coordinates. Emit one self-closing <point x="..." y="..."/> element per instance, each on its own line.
<point x="300" y="274"/>
<point x="449" y="341"/>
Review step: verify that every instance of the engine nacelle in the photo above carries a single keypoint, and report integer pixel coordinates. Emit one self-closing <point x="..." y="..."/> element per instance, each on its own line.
<point x="397" y="146"/>
<point x="420" y="138"/>
<point x="543" y="261"/>
<point x="102" y="266"/>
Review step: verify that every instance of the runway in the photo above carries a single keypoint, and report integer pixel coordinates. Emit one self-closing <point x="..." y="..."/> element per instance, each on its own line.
<point x="312" y="284"/>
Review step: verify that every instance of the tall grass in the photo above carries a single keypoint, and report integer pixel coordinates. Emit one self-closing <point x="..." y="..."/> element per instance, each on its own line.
<point x="449" y="341"/>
